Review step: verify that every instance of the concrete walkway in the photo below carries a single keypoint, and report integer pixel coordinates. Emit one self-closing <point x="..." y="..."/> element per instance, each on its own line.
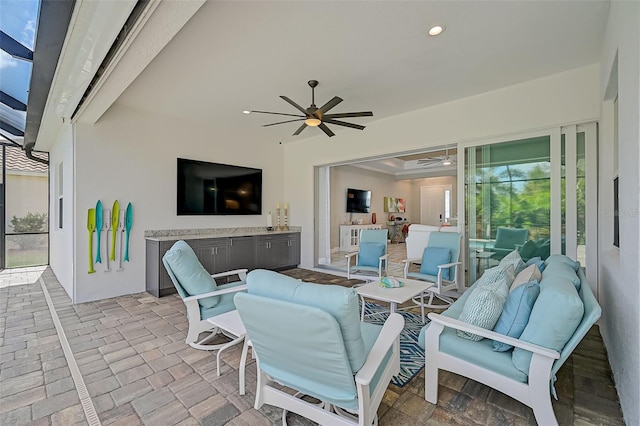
<point x="136" y="368"/>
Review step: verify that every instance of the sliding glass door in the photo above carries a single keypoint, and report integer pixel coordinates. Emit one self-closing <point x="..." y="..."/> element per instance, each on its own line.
<point x="530" y="194"/>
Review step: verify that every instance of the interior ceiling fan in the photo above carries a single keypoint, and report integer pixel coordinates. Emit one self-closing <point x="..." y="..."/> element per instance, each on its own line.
<point x="438" y="160"/>
<point x="317" y="117"/>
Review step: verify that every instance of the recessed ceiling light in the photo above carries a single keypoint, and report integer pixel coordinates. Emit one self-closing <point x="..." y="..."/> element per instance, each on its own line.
<point x="436" y="30"/>
<point x="246" y="111"/>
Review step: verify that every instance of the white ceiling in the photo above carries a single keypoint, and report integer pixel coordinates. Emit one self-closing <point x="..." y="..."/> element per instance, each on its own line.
<point x="237" y="55"/>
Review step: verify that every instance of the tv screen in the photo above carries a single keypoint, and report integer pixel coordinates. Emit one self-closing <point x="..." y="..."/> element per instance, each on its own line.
<point x="218" y="189"/>
<point x="358" y="201"/>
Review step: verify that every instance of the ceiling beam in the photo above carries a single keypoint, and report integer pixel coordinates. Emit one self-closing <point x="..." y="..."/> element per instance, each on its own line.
<point x="12" y="102"/>
<point x="14" y="48"/>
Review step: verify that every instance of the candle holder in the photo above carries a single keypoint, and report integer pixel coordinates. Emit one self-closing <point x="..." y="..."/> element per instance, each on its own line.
<point x="286" y="224"/>
<point x="278" y="228"/>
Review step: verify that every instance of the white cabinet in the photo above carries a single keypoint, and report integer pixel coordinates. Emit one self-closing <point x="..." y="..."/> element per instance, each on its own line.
<point x="350" y="236"/>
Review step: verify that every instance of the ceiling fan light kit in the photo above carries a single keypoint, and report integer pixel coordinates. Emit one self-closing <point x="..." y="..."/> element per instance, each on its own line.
<point x="317" y="117"/>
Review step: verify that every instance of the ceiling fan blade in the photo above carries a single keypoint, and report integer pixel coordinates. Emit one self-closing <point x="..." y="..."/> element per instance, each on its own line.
<point x="295" y="105"/>
<point x="300" y="129"/>
<point x="332" y="103"/>
<point x="325" y="129"/>
<point x="282" y="122"/>
<point x="278" y="113"/>
<point x="350" y="114"/>
<point x="343" y="123"/>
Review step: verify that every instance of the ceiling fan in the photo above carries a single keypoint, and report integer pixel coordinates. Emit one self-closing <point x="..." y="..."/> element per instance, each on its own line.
<point x="438" y="160"/>
<point x="317" y="117"/>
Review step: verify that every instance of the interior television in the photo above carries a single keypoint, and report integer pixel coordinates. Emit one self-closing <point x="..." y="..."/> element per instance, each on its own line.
<point x="218" y="189"/>
<point x="358" y="201"/>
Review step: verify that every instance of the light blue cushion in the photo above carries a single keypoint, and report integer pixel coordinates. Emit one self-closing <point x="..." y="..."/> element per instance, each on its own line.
<point x="554" y="318"/>
<point x="562" y="270"/>
<point x="477" y="353"/>
<point x="300" y="346"/>
<point x="370" y="253"/>
<point x="341" y="302"/>
<point x="562" y="259"/>
<point x="515" y="313"/>
<point x="483" y="307"/>
<point x="188" y="270"/>
<point x="434" y="256"/>
<point x="224" y="305"/>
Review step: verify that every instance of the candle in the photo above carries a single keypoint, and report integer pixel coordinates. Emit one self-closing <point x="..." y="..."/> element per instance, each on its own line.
<point x="269" y="221"/>
<point x="277" y="205"/>
<point x="286" y="206"/>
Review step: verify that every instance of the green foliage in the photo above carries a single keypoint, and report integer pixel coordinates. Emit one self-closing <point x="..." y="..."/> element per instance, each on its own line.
<point x="32" y="222"/>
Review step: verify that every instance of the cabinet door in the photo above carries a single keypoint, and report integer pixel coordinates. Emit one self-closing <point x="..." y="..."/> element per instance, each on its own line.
<point x="289" y="254"/>
<point x="165" y="280"/>
<point x="242" y="253"/>
<point x="213" y="253"/>
<point x="266" y="252"/>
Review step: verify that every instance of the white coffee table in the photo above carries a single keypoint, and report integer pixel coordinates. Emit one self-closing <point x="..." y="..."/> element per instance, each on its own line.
<point x="394" y="296"/>
<point x="231" y="323"/>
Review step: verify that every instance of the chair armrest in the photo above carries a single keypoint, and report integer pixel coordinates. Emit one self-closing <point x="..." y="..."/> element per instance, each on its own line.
<point x="390" y="332"/>
<point x="463" y="326"/>
<point x="216" y="293"/>
<point x="449" y="265"/>
<point x="415" y="259"/>
<point x="384" y="257"/>
<point x="239" y="272"/>
<point x="350" y="255"/>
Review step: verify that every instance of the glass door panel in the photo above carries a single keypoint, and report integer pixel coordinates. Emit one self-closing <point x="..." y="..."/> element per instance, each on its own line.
<point x="508" y="201"/>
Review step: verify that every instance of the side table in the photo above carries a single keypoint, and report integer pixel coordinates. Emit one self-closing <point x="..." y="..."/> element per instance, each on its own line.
<point x="231" y="323"/>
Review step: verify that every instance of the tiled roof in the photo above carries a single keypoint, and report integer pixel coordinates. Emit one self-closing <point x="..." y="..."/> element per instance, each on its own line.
<point x="18" y="161"/>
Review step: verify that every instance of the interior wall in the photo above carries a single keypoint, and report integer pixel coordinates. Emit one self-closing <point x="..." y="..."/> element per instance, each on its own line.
<point x="61" y="249"/>
<point x="619" y="268"/>
<point x="417" y="184"/>
<point x="568" y="97"/>
<point x="130" y="156"/>
<point x="380" y="184"/>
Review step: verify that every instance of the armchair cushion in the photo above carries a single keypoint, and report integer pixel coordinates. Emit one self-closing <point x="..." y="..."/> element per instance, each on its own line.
<point x="434" y="256"/>
<point x="516" y="312"/>
<point x="192" y="276"/>
<point x="507" y="238"/>
<point x="528" y="250"/>
<point x="340" y="302"/>
<point x="224" y="305"/>
<point x="370" y="254"/>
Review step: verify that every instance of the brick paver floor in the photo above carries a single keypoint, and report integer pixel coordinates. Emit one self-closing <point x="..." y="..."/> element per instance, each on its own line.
<point x="137" y="369"/>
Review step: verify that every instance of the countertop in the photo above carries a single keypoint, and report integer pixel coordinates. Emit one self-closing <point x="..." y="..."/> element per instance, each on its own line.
<point x="195" y="234"/>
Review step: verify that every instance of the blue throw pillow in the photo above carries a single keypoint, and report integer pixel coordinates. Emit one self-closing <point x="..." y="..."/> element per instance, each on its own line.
<point x="538" y="262"/>
<point x="515" y="313"/>
<point x="370" y="254"/>
<point x="434" y="256"/>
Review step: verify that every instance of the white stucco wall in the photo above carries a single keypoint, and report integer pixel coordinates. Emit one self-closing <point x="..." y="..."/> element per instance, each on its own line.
<point x="380" y="184"/>
<point x="130" y="156"/>
<point x="61" y="249"/>
<point x="568" y="97"/>
<point x="619" y="268"/>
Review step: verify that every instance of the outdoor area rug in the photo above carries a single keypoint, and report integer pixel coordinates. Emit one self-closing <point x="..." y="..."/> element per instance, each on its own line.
<point x="411" y="354"/>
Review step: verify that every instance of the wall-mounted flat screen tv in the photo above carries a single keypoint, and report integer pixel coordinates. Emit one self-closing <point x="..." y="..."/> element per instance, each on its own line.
<point x="218" y="189"/>
<point x="358" y="201"/>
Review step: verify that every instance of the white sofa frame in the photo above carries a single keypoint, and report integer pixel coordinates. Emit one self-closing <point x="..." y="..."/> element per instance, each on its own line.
<point x="534" y="394"/>
<point x="367" y="402"/>
<point x="199" y="325"/>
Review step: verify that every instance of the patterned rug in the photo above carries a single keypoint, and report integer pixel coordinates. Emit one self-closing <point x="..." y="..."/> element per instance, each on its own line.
<point x="411" y="354"/>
